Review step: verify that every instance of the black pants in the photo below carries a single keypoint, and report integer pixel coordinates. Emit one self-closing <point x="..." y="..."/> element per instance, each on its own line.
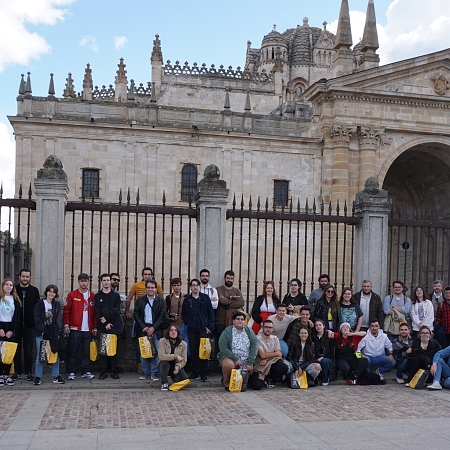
<point x="6" y="326"/>
<point x="415" y="363"/>
<point x="198" y="366"/>
<point x="357" y="366"/>
<point x="277" y="370"/>
<point x="108" y="364"/>
<point x="166" y="368"/>
<point x="25" y="340"/>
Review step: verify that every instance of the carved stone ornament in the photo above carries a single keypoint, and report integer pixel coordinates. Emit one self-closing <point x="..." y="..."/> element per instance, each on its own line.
<point x="53" y="169"/>
<point x="441" y="84"/>
<point x="370" y="136"/>
<point x="342" y="132"/>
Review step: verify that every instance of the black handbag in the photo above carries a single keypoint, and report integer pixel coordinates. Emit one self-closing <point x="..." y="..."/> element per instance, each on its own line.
<point x="293" y="382"/>
<point x="151" y="339"/>
<point x="419" y="379"/>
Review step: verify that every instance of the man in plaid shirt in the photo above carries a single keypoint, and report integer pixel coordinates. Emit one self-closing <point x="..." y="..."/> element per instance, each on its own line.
<point x="443" y="314"/>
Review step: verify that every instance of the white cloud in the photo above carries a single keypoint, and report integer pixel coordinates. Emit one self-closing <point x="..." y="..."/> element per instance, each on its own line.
<point x="18" y="44"/>
<point x="120" y="41"/>
<point x="8" y="155"/>
<point x="91" y="42"/>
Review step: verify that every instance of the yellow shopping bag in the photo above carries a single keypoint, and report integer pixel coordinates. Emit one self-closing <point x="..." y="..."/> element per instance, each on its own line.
<point x="235" y="381"/>
<point x="108" y="344"/>
<point x="204" y="351"/>
<point x="303" y="380"/>
<point x="52" y="357"/>
<point x="179" y="385"/>
<point x="145" y="347"/>
<point x="93" y="351"/>
<point x="7" y="351"/>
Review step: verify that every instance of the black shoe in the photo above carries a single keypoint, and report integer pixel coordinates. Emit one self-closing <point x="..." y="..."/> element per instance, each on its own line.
<point x="16" y="376"/>
<point x="58" y="380"/>
<point x="37" y="381"/>
<point x="102" y="375"/>
<point x="193" y="376"/>
<point x="115" y="376"/>
<point x="204" y="378"/>
<point x="30" y="377"/>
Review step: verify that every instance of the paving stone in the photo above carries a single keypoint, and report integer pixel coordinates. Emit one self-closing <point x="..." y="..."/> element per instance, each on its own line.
<point x="11" y="403"/>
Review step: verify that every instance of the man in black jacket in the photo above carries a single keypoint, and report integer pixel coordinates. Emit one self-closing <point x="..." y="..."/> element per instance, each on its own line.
<point x="109" y="321"/>
<point x="370" y="304"/>
<point x="29" y="296"/>
<point x="151" y="319"/>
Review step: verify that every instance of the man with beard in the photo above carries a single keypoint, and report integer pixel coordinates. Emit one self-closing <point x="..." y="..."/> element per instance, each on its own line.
<point x="324" y="280"/>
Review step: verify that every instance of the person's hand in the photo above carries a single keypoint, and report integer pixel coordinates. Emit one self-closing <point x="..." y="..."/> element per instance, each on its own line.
<point x="150" y="331"/>
<point x="290" y="307"/>
<point x="298" y="373"/>
<point x="128" y="315"/>
<point x="391" y="358"/>
<point x="9" y="334"/>
<point x="390" y="312"/>
<point x="409" y="350"/>
<point x="263" y="362"/>
<point x="2" y="333"/>
<point x="319" y="359"/>
<point x="238" y="363"/>
<point x="175" y="371"/>
<point x="310" y="323"/>
<point x="398" y="308"/>
<point x="109" y="326"/>
<point x="208" y="331"/>
<point x="180" y="358"/>
<point x="102" y="320"/>
<point x="278" y="353"/>
<point x="433" y="369"/>
<point x="364" y="356"/>
<point x="249" y="367"/>
<point x="330" y="334"/>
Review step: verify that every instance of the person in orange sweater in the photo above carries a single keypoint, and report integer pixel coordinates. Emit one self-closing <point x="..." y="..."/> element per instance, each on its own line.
<point x="80" y="321"/>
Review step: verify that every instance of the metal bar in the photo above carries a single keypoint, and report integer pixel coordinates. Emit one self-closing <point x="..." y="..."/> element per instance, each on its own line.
<point x="435" y="252"/>
<point x="91" y="246"/>
<point x="154" y="244"/>
<point x="181" y="247"/>
<point x="171" y="247"/>
<point x="442" y="254"/>
<point x="189" y="249"/>
<point x="72" y="274"/>
<point x="81" y="244"/>
<point x="304" y="254"/>
<point x="273" y="249"/>
<point x="127" y="242"/>
<point x="248" y="264"/>
<point x="145" y="245"/>
<point x="280" y="282"/>
<point x="336" y="256"/>
<point x="162" y="250"/>
<point x="257" y="256"/>
<point x="100" y="236"/>
<point x="240" y="254"/>
<point x="406" y="254"/>
<point x="136" y="251"/>
<point x="343" y="256"/>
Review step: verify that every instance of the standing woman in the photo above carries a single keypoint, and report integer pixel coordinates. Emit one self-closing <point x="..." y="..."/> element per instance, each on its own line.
<point x="9" y="317"/>
<point x="265" y="305"/>
<point x="48" y="322"/>
<point x="349" y="311"/>
<point x="422" y="310"/>
<point x="327" y="308"/>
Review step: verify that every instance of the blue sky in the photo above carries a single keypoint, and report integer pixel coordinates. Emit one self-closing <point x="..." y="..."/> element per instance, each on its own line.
<point x="61" y="36"/>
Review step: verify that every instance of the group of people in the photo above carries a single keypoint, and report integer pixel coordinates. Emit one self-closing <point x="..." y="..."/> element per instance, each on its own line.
<point x="319" y="335"/>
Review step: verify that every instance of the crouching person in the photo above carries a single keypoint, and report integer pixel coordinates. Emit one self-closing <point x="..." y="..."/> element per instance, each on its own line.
<point x="172" y="357"/>
<point x="269" y="364"/>
<point x="238" y="347"/>
<point x="301" y="355"/>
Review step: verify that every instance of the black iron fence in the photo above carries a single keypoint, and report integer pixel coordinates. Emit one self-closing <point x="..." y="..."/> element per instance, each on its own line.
<point x="282" y="243"/>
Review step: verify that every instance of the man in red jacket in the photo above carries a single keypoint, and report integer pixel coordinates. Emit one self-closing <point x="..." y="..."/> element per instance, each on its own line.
<point x="80" y="321"/>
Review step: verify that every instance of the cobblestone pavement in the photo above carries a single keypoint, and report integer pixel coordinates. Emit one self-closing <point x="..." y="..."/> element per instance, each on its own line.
<point x="10" y="405"/>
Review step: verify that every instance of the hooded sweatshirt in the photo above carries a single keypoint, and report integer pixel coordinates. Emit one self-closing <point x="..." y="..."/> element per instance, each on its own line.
<point x="374" y="345"/>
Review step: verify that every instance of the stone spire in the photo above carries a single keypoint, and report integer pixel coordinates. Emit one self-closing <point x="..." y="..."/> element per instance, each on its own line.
<point x="121" y="73"/>
<point x="121" y="81"/>
<point x="226" y="104"/>
<point x="87" y="83"/>
<point x="131" y="96"/>
<point x="344" y="30"/>
<point x="247" y="106"/>
<point x="69" y="91"/>
<point x="369" y="41"/>
<point x="22" y="85"/>
<point x="51" y="87"/>
<point x="156" y="52"/>
<point x="157" y="70"/>
<point x="28" y="84"/>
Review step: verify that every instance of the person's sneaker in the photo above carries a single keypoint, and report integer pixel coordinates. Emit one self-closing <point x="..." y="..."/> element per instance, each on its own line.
<point x="435" y="385"/>
<point x="2" y="382"/>
<point x="88" y="375"/>
<point x="325" y="384"/>
<point x="37" y="381"/>
<point x="204" y="378"/>
<point x="155" y="378"/>
<point x="9" y="381"/>
<point x="30" y="377"/>
<point x="115" y="376"/>
<point x="406" y="384"/>
<point x="16" y="376"/>
<point x="400" y="380"/>
<point x="144" y="377"/>
<point x="379" y="374"/>
<point x="269" y="384"/>
<point x="193" y="376"/>
<point x="102" y="375"/>
<point x="58" y="380"/>
<point x="352" y="382"/>
<point x="165" y="387"/>
<point x="72" y="376"/>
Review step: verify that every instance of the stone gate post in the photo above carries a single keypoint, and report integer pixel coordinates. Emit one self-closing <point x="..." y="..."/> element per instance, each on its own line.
<point x="51" y="187"/>
<point x="372" y="207"/>
<point x="211" y="200"/>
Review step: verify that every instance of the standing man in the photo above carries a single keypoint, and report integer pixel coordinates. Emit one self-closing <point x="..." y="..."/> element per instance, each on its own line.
<point x="115" y="280"/>
<point x="437" y="298"/>
<point x="443" y="315"/>
<point x="107" y="310"/>
<point x="151" y="319"/>
<point x="207" y="289"/>
<point x="370" y="304"/>
<point x="79" y="320"/>
<point x="398" y="301"/>
<point x="29" y="296"/>
<point x="174" y="304"/>
<point x="294" y="297"/>
<point x="324" y="280"/>
<point x="198" y="315"/>
<point x="230" y="299"/>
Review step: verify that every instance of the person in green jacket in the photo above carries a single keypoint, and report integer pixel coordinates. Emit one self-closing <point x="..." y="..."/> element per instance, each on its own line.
<point x="238" y="347"/>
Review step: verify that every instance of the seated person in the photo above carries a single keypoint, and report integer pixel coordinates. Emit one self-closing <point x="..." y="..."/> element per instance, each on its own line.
<point x="401" y="346"/>
<point x="269" y="365"/>
<point x="304" y="321"/>
<point x="172" y="354"/>
<point x="281" y="322"/>
<point x="351" y="366"/>
<point x="440" y="369"/>
<point x="238" y="347"/>
<point x="423" y="350"/>
<point x="323" y="350"/>
<point x="373" y="345"/>
<point x="301" y="355"/>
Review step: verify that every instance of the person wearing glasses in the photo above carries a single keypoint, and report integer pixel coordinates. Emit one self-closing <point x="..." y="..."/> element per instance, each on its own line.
<point x="422" y="311"/>
<point x="398" y="301"/>
<point x="198" y="315"/>
<point x="294" y="297"/>
<point x="238" y="347"/>
<point x="422" y="352"/>
<point x="327" y="308"/>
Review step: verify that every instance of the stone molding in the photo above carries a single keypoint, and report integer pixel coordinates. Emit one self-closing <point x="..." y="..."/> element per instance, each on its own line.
<point x="367" y="135"/>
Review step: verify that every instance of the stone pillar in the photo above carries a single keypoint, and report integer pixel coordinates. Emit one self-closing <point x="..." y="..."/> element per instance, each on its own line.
<point x="51" y="187"/>
<point x="211" y="200"/>
<point x="372" y="207"/>
<point x="369" y="141"/>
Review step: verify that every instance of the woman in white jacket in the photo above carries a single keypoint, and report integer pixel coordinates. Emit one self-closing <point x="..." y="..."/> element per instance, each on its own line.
<point x="422" y="311"/>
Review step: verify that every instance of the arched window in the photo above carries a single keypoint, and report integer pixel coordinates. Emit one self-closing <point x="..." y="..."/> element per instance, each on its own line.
<point x="188" y="182"/>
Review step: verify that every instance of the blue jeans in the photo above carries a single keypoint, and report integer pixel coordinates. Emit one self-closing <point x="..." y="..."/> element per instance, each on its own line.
<point x="402" y="367"/>
<point x="325" y="364"/>
<point x="39" y="369"/>
<point x="284" y="348"/>
<point x="150" y="365"/>
<point x="443" y="371"/>
<point x="381" y="362"/>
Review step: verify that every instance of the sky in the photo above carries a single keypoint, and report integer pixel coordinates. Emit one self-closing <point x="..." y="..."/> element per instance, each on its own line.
<point x="61" y="36"/>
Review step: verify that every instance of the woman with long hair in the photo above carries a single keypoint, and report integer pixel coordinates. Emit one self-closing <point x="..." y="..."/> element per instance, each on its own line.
<point x="422" y="310"/>
<point x="301" y="355"/>
<point x="349" y="310"/>
<point x="327" y="308"/>
<point x="323" y="350"/>
<point x="48" y="325"/>
<point x="172" y="355"/>
<point x="264" y="306"/>
<point x="9" y="322"/>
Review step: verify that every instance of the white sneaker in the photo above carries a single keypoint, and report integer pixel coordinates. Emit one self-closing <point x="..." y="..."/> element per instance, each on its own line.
<point x="379" y="374"/>
<point x="325" y="384"/>
<point x="87" y="375"/>
<point x="436" y="385"/>
<point x="400" y="380"/>
<point x="71" y="376"/>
